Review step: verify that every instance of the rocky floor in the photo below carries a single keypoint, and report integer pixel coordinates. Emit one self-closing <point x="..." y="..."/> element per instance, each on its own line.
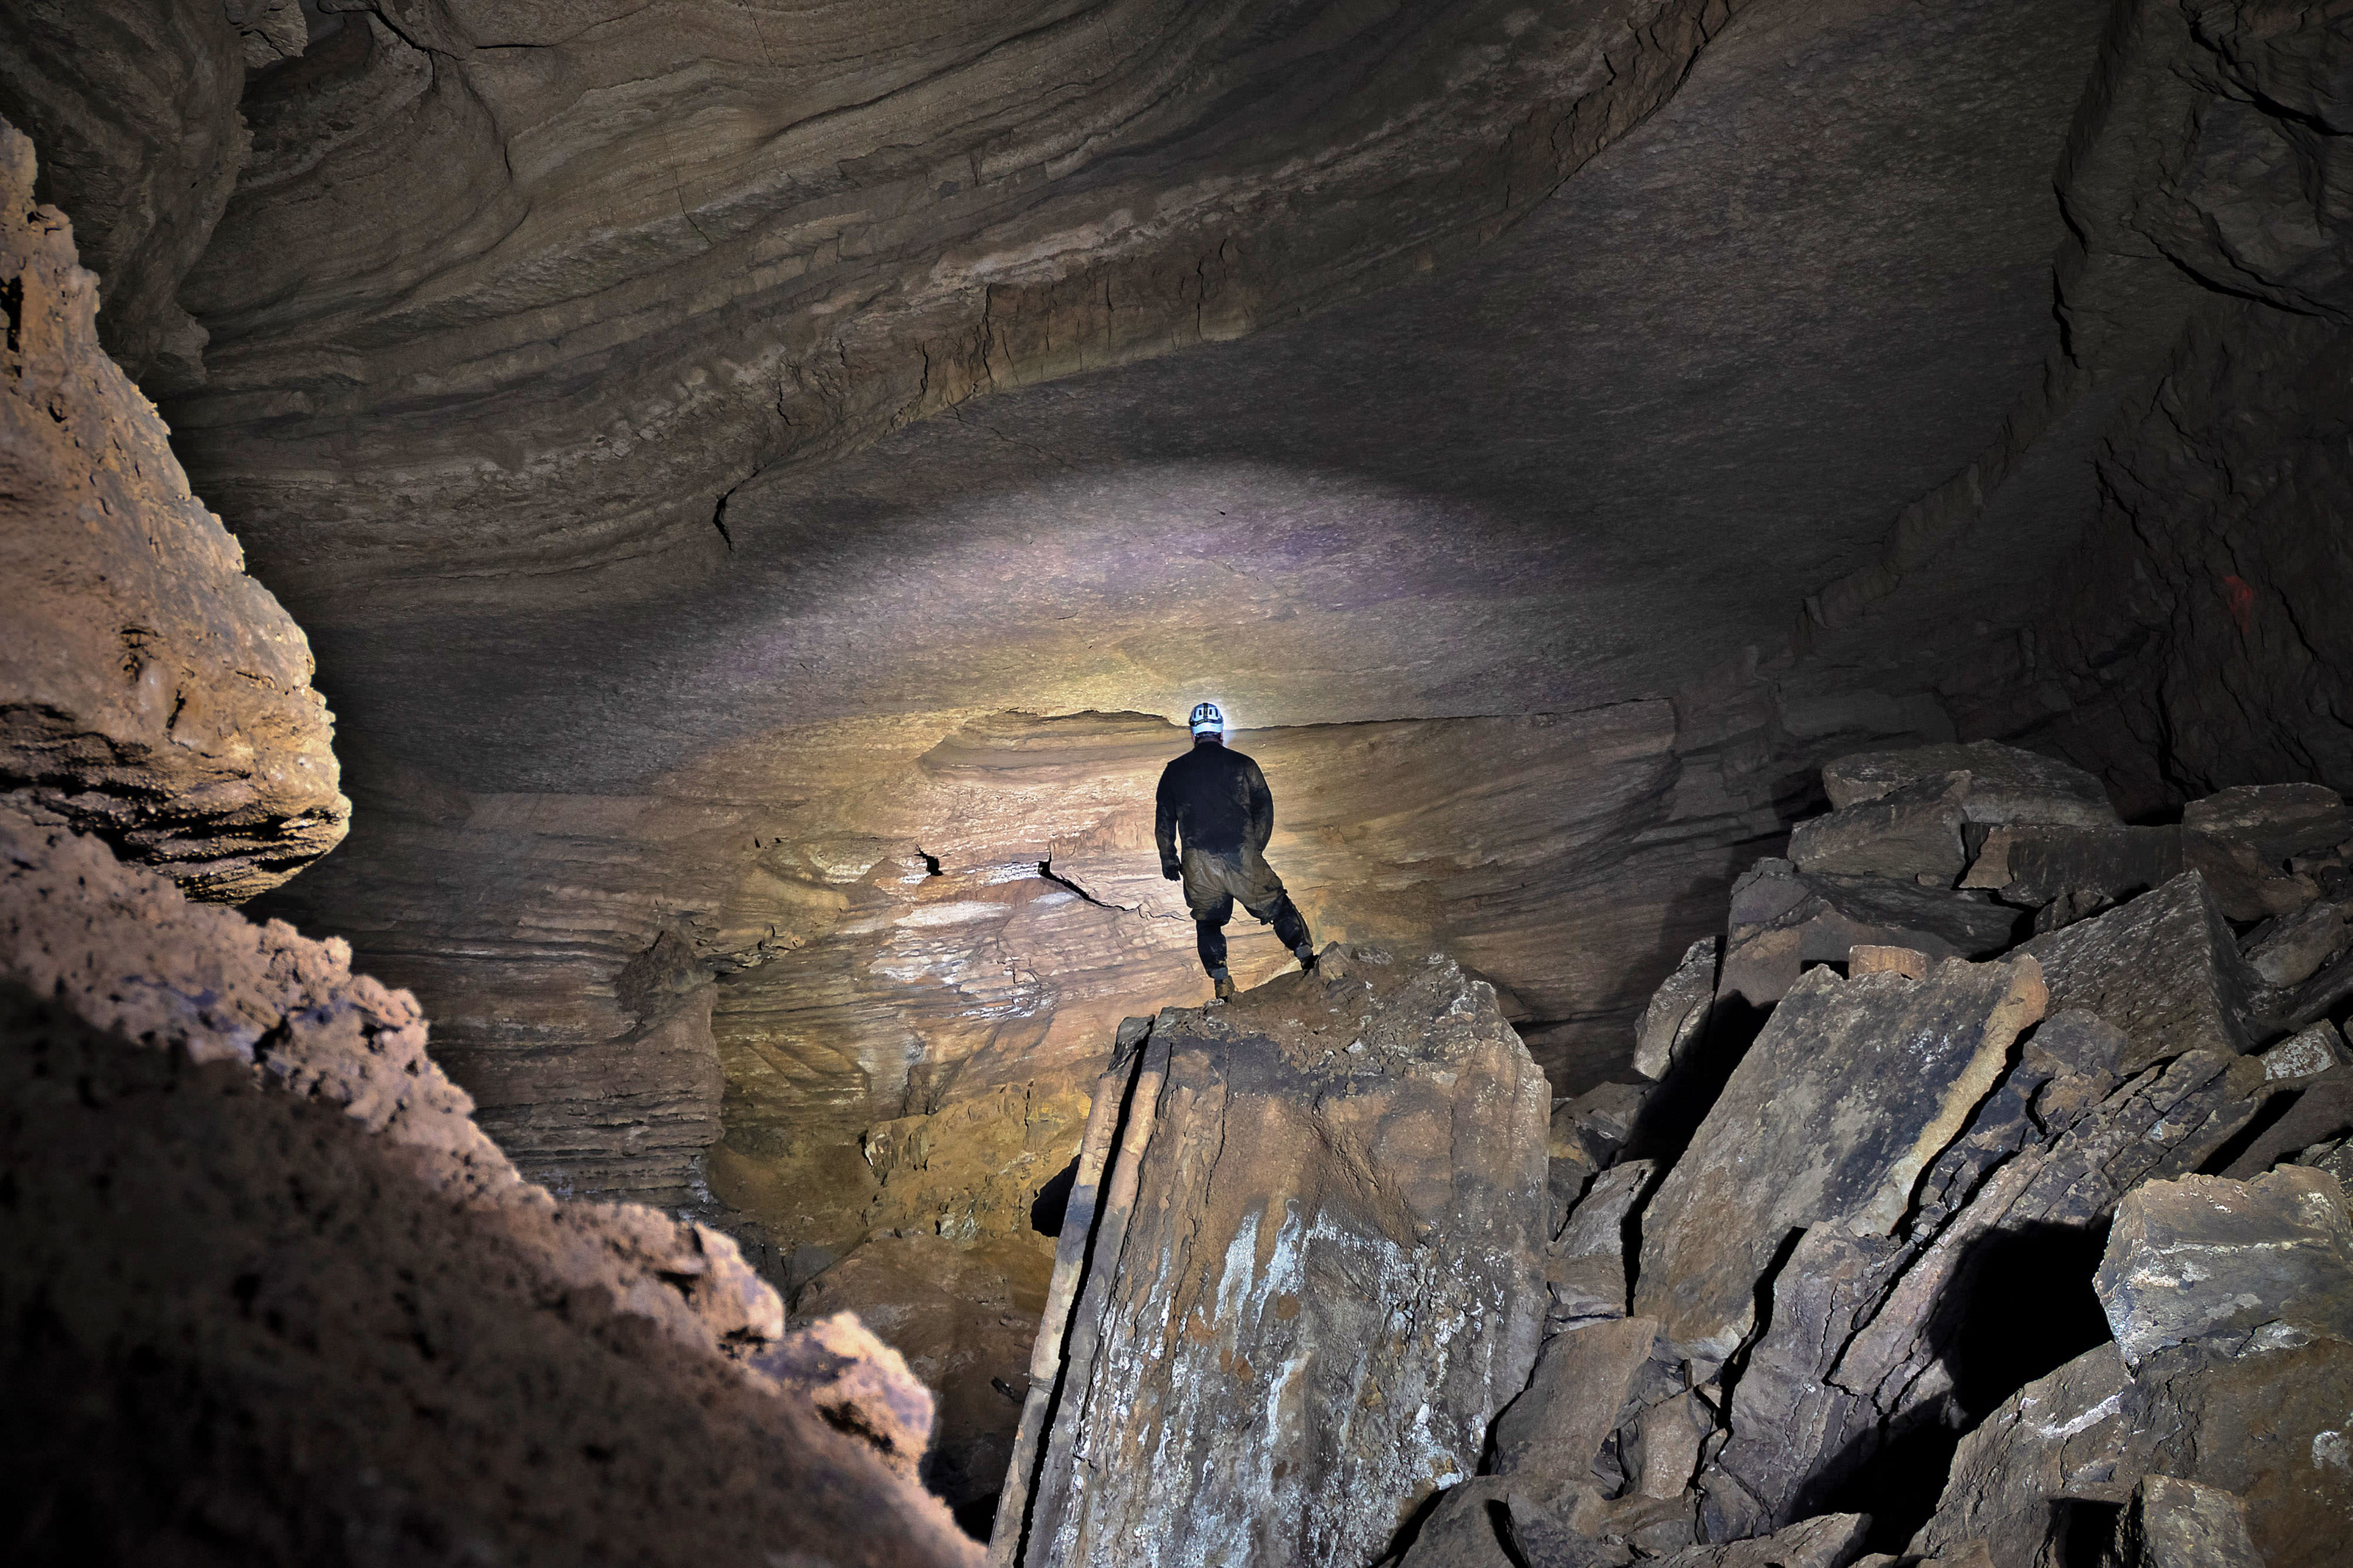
<point x="1983" y="1204"/>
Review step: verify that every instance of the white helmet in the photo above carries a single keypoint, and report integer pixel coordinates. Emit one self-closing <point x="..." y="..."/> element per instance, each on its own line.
<point x="1207" y="719"/>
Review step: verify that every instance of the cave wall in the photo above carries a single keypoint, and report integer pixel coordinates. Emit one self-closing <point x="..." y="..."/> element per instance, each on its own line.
<point x="917" y="934"/>
<point x="151" y="691"/>
<point x="133" y="105"/>
<point x="2175" y="478"/>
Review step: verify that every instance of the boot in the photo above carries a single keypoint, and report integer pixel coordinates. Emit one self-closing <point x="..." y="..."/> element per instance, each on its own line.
<point x="1305" y="954"/>
<point x="1224" y="982"/>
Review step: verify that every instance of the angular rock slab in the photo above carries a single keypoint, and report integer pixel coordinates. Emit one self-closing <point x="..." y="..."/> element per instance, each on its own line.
<point x="2163" y="968"/>
<point x="1678" y="1010"/>
<point x="151" y="693"/>
<point x="1996" y="784"/>
<point x="1783" y="919"/>
<point x="2066" y="1452"/>
<point x="1853" y="1087"/>
<point x="1913" y="832"/>
<point x="2181" y="1524"/>
<point x="1314" y="1276"/>
<point x="2231" y="1265"/>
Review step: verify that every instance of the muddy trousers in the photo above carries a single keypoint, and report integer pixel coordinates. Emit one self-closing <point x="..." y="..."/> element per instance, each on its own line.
<point x="1214" y="883"/>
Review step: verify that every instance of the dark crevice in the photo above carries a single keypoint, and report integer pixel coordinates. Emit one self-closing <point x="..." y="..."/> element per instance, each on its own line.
<point x="1046" y="869"/>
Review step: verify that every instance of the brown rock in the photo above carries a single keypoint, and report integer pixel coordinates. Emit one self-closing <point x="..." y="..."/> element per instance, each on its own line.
<point x="1909" y="963"/>
<point x="1851" y="1090"/>
<point x="859" y="1385"/>
<point x="151" y="692"/>
<point x="133" y="106"/>
<point x="2246" y="884"/>
<point x="2293" y="951"/>
<point x="1294" y="1224"/>
<point x="1553" y="1432"/>
<point x="2181" y="1524"/>
<point x="2163" y="968"/>
<point x="288" y="1276"/>
<point x="1782" y="920"/>
<point x="963" y="1316"/>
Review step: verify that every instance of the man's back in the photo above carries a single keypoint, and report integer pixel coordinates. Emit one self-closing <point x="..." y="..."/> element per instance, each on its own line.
<point x="1217" y="797"/>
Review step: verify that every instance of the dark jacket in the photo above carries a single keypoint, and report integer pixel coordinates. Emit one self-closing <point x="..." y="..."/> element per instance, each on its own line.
<point x="1219" y="800"/>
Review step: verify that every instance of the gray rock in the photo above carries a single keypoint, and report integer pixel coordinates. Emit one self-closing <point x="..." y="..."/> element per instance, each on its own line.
<point x="2307" y="1055"/>
<point x="1305" y="1231"/>
<point x="2230" y="1265"/>
<point x="2279" y="820"/>
<point x="2066" y="1452"/>
<point x="1782" y="920"/>
<point x="1851" y="1090"/>
<point x="1599" y="1120"/>
<point x="2031" y="865"/>
<point x="2293" y="951"/>
<point x="2163" y="968"/>
<point x="1832" y="1541"/>
<point x="1870" y="1334"/>
<point x="1596" y="1225"/>
<point x="2181" y="1524"/>
<point x="1911" y="832"/>
<point x="1998" y="784"/>
<point x="1678" y="1010"/>
<point x="2318" y="1109"/>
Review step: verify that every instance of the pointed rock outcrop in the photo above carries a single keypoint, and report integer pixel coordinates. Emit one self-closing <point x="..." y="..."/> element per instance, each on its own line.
<point x="1300" y="1272"/>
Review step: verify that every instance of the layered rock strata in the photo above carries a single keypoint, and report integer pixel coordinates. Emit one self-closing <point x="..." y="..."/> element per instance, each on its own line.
<point x="133" y="105"/>
<point x="752" y="235"/>
<point x="271" y="1292"/>
<point x="151" y="692"/>
<point x="1302" y="1278"/>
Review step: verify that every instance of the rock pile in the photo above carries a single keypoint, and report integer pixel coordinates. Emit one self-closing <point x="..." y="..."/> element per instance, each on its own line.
<point x="1299" y="1272"/>
<point x="1987" y="1207"/>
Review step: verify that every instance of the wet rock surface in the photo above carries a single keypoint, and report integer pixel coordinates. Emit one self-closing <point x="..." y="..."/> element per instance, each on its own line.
<point x="151" y="692"/>
<point x="1327" y="1196"/>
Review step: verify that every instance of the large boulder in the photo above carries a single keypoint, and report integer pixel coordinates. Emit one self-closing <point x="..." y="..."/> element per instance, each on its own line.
<point x="151" y="692"/>
<point x="1313" y="1276"/>
<point x="2204" y="1260"/>
<point x="2163" y="968"/>
<point x="1852" y="1088"/>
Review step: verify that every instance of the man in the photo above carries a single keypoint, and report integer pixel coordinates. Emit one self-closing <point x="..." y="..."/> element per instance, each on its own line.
<point x="1219" y="801"/>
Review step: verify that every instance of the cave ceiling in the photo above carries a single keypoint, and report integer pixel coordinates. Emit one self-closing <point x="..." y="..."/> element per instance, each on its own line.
<point x="1585" y="463"/>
